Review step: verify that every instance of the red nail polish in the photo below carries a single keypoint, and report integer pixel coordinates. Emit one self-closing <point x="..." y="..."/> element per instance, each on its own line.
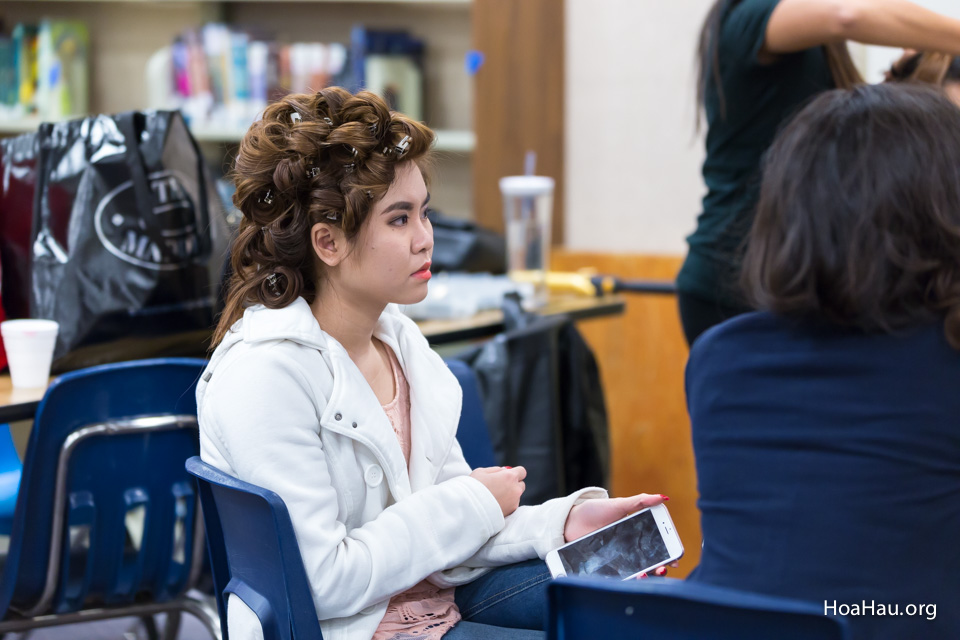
<point x="665" y="498"/>
<point x="642" y="576"/>
<point x="508" y="467"/>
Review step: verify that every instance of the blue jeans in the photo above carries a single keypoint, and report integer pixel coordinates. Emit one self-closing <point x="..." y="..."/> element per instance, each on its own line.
<point x="509" y="603"/>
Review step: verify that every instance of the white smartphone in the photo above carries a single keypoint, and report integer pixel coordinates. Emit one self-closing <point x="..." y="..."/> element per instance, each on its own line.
<point x="640" y="542"/>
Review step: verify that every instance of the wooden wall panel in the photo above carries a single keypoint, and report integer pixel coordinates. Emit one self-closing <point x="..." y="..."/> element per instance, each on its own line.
<point x="642" y="355"/>
<point x="518" y="100"/>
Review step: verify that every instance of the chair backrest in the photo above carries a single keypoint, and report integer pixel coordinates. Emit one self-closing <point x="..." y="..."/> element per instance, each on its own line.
<point x="254" y="554"/>
<point x="472" y="432"/>
<point x="518" y="372"/>
<point x="106" y="512"/>
<point x="665" y="609"/>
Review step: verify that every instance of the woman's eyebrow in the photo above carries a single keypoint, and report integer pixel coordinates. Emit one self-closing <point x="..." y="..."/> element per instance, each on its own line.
<point x="403" y="205"/>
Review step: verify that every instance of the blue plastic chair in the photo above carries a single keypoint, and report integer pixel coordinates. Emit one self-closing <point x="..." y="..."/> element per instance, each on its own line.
<point x="472" y="433"/>
<point x="254" y="554"/>
<point x="107" y="450"/>
<point x="666" y="609"/>
<point x="10" y="469"/>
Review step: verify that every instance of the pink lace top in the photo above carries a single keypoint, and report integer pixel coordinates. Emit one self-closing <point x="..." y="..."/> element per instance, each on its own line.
<point x="424" y="611"/>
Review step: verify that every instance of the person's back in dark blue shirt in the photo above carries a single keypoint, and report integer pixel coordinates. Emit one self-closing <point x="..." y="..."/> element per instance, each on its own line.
<point x="828" y="463"/>
<point x="826" y="428"/>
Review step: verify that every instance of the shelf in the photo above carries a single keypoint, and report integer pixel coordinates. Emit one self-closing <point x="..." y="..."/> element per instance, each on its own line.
<point x="447" y="140"/>
<point x="18" y="125"/>
<point x="453" y="3"/>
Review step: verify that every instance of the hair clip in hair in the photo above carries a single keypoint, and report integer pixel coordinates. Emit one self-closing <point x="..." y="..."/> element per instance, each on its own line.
<point x="349" y="168"/>
<point x="369" y="194"/>
<point x="353" y="152"/>
<point x="272" y="283"/>
<point x="328" y="121"/>
<point x="267" y="198"/>
<point x="333" y="216"/>
<point x="313" y="172"/>
<point x="295" y="118"/>
<point x="402" y="146"/>
<point x="387" y="151"/>
<point x="374" y="127"/>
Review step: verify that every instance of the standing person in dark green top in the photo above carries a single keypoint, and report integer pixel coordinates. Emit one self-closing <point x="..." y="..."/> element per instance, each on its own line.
<point x="760" y="62"/>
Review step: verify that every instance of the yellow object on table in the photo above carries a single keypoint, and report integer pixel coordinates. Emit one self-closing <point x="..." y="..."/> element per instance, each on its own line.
<point x="563" y="281"/>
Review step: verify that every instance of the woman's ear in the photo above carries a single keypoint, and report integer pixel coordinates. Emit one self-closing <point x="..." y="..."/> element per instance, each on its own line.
<point x="329" y="243"/>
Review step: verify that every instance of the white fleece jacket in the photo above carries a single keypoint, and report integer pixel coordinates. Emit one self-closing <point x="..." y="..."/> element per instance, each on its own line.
<point x="282" y="406"/>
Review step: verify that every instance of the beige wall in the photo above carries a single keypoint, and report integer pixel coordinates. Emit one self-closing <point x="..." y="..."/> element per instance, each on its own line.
<point x="632" y="162"/>
<point x="632" y="159"/>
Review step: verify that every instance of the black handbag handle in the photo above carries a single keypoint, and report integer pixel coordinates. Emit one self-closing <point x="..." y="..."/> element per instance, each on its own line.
<point x="130" y="124"/>
<point x="203" y="212"/>
<point x="36" y="215"/>
<point x="127" y="123"/>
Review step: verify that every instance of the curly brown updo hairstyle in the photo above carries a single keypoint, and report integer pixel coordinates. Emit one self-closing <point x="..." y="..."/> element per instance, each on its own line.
<point x="858" y="222"/>
<point x="322" y="157"/>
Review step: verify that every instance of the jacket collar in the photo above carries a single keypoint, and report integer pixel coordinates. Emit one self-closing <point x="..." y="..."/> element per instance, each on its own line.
<point x="435" y="393"/>
<point x="297" y="323"/>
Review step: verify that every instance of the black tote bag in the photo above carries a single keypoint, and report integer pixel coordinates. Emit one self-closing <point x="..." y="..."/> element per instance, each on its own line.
<point x="128" y="238"/>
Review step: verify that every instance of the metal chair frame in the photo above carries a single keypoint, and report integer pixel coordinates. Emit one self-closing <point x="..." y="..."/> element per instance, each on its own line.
<point x="199" y="608"/>
<point x="39" y="614"/>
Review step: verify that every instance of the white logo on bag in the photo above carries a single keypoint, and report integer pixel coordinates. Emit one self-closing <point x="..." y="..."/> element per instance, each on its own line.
<point x="124" y="231"/>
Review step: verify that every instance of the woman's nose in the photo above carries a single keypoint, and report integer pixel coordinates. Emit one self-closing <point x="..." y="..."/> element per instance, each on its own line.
<point x="424" y="236"/>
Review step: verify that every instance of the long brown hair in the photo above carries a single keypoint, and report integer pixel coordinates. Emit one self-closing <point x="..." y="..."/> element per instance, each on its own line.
<point x="844" y="71"/>
<point x="858" y="222"/>
<point x="322" y="157"/>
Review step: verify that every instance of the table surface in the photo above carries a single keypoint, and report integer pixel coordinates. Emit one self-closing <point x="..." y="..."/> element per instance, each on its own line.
<point x="21" y="404"/>
<point x="488" y="323"/>
<point x="18" y="404"/>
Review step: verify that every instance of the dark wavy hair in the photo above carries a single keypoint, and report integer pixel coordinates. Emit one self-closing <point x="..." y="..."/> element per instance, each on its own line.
<point x="322" y="157"/>
<point x="858" y="222"/>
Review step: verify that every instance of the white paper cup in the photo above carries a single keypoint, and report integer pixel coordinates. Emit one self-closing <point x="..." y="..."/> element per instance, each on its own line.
<point x="29" y="346"/>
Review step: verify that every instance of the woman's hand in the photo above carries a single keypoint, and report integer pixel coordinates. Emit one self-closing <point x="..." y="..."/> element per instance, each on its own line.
<point x="590" y="515"/>
<point x="896" y="68"/>
<point x="505" y="483"/>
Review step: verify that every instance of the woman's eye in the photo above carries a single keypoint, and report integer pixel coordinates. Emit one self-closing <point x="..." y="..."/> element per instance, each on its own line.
<point x="423" y="214"/>
<point x="400" y="221"/>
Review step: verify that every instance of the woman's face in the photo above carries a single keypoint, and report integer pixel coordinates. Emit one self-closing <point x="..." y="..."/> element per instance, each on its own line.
<point x="389" y="260"/>
<point x="952" y="89"/>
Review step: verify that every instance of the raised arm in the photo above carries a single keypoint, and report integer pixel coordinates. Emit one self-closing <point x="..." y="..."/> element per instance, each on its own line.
<point x="801" y="24"/>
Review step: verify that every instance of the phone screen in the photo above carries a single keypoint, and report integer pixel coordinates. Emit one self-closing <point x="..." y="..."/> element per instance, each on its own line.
<point x="619" y="551"/>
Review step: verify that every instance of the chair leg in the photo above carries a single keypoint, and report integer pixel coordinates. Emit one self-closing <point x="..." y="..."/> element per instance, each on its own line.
<point x="144" y="614"/>
<point x="150" y="627"/>
<point x="171" y="627"/>
<point x="204" y="609"/>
